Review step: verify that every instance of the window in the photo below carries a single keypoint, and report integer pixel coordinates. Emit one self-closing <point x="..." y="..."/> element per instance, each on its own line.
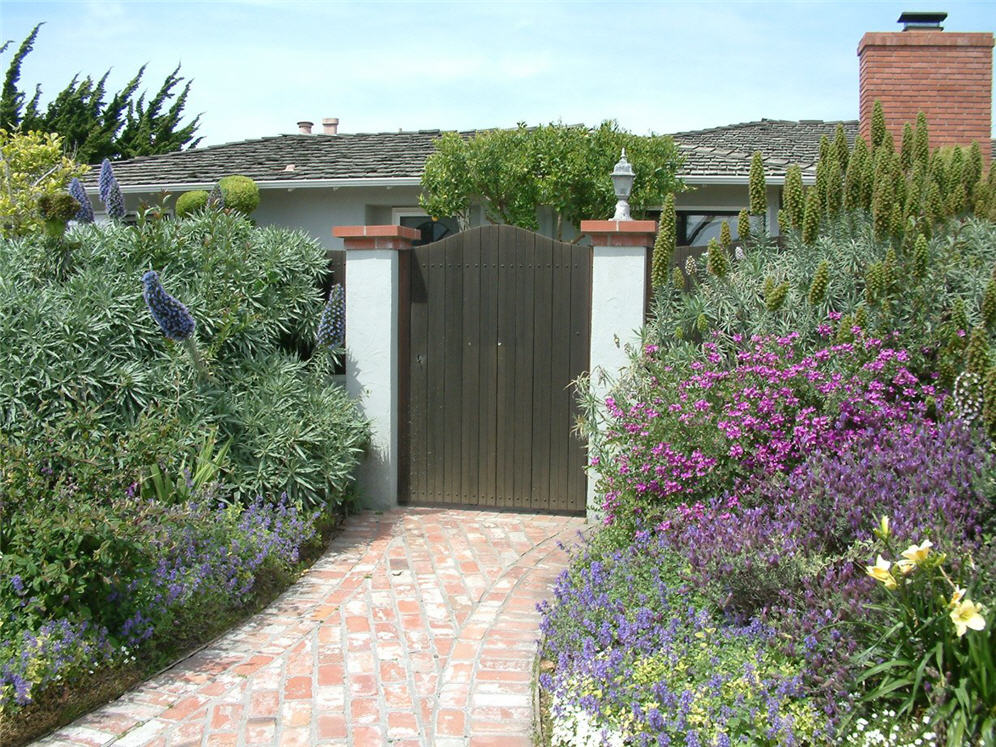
<point x="697" y="228"/>
<point x="431" y="230"/>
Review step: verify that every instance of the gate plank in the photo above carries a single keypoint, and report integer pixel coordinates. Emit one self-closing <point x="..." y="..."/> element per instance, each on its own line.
<point x="542" y="360"/>
<point x="489" y="365"/>
<point x="453" y="369"/>
<point x="508" y="305"/>
<point x="436" y="372"/>
<point x="523" y="386"/>
<point x="470" y="462"/>
<point x="417" y="390"/>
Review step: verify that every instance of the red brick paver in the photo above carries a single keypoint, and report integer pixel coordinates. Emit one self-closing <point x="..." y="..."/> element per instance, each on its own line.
<point x="417" y="627"/>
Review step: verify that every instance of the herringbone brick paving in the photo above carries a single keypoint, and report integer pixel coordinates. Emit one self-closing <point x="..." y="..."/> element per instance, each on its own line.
<point x="417" y="627"/>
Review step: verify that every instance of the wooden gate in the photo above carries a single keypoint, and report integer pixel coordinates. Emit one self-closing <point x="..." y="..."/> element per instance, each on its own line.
<point x="498" y="324"/>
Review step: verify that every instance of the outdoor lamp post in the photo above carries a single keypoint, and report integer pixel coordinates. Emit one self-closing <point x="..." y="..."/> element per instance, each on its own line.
<point x="622" y="183"/>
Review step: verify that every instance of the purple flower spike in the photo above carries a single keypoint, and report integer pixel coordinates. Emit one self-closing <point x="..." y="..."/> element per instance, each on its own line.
<point x="110" y="192"/>
<point x="332" y="327"/>
<point x="76" y="191"/>
<point x="172" y="316"/>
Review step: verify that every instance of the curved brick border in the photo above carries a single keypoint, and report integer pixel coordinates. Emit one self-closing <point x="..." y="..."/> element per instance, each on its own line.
<point x="417" y="627"/>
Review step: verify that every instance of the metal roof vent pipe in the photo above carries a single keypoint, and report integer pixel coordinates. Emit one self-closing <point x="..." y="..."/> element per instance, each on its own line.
<point x="331" y="125"/>
<point x="304" y="127"/>
<point x="922" y="21"/>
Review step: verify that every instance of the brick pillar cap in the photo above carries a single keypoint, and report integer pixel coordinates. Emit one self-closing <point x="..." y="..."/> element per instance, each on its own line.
<point x="391" y="232"/>
<point x="925" y="39"/>
<point x="618" y="226"/>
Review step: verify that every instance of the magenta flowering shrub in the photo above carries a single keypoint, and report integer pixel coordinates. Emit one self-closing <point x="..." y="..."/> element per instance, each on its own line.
<point x="685" y="437"/>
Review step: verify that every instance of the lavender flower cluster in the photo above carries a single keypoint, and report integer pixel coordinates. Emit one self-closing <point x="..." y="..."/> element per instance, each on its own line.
<point x="76" y="191"/>
<point x="110" y="192"/>
<point x="332" y="326"/>
<point x="173" y="317"/>
<point x="201" y="554"/>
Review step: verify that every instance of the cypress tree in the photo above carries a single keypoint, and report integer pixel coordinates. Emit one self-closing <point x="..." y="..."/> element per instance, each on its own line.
<point x="906" y="151"/>
<point x="756" y="186"/>
<point x="664" y="244"/>
<point x="793" y="196"/>
<point x="811" y="220"/>
<point x="921" y="141"/>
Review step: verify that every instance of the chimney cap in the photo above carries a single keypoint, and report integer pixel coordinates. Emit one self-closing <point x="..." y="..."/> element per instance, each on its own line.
<point x="920" y="21"/>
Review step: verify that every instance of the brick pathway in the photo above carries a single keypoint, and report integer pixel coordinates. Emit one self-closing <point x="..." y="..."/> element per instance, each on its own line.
<point x="417" y="627"/>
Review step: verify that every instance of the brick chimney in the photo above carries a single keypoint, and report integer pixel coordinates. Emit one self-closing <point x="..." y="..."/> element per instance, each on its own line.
<point x="946" y="75"/>
<point x="330" y="125"/>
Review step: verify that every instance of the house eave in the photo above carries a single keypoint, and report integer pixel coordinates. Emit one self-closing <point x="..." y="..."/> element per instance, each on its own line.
<point x="726" y="179"/>
<point x="288" y="184"/>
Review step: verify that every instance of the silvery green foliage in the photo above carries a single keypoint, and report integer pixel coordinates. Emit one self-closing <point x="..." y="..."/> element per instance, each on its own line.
<point x="76" y="191"/>
<point x="256" y="294"/>
<point x="332" y="327"/>
<point x="173" y="317"/>
<point x="110" y="192"/>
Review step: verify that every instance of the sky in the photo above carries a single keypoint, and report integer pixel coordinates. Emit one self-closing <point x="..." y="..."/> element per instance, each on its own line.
<point x="260" y="66"/>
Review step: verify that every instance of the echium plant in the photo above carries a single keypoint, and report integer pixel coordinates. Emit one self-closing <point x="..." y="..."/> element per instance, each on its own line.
<point x="173" y="318"/>
<point x="78" y="193"/>
<point x="110" y="192"/>
<point x="332" y="327"/>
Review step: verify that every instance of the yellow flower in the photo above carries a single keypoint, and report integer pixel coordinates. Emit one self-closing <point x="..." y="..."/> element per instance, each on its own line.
<point x="906" y="567"/>
<point x="883" y="528"/>
<point x="967" y="614"/>
<point x="880" y="571"/>
<point x="956" y="597"/>
<point x="918" y="553"/>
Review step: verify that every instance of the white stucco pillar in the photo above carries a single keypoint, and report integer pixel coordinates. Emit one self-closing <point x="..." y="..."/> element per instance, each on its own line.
<point x="618" y="300"/>
<point x="373" y="312"/>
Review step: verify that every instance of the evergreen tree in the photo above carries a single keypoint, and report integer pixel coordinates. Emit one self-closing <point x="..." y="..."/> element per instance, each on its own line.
<point x="94" y="124"/>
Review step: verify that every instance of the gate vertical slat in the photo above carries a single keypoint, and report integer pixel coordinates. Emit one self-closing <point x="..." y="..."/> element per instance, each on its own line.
<point x="523" y="385"/>
<point x="435" y="373"/>
<point x="418" y="392"/>
<point x="471" y="365"/>
<point x="580" y="332"/>
<point x="543" y="326"/>
<point x="560" y="373"/>
<point x="488" y="367"/>
<point x="508" y="300"/>
<point x="453" y="370"/>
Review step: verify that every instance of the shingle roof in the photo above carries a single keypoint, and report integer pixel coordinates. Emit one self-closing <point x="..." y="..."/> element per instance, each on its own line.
<point x="727" y="151"/>
<point x="715" y="153"/>
<point x="285" y="158"/>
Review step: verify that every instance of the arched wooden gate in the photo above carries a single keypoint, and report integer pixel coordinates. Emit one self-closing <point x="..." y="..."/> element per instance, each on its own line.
<point x="494" y="328"/>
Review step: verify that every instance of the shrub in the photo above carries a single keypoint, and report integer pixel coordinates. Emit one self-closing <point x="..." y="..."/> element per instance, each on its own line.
<point x="240" y="193"/>
<point x="191" y="202"/>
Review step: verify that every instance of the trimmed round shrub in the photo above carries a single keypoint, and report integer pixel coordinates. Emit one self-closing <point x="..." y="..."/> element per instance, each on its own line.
<point x="191" y="202"/>
<point x="240" y="193"/>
